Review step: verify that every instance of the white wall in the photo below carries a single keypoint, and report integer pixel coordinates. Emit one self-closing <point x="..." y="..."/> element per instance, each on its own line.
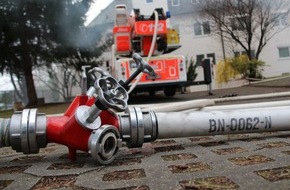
<point x="194" y="45"/>
<point x="148" y="8"/>
<point x="276" y="66"/>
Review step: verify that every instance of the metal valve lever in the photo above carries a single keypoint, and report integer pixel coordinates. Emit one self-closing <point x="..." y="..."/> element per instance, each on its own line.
<point x="143" y="66"/>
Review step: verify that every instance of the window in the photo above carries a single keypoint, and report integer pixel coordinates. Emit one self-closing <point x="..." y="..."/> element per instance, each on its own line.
<point x="239" y="23"/>
<point x="175" y="2"/>
<point x="149" y="1"/>
<point x="238" y="53"/>
<point x="201" y="28"/>
<point x="281" y="19"/>
<point x="206" y="27"/>
<point x="284" y="52"/>
<point x="197" y="28"/>
<point x="200" y="57"/>
<point x="194" y="1"/>
<point x="212" y="56"/>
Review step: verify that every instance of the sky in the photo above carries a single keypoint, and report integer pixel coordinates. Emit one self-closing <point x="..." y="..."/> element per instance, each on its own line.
<point x="95" y="9"/>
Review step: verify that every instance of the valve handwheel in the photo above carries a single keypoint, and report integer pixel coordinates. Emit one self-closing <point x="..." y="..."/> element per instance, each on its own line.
<point x="110" y="94"/>
<point x="143" y="65"/>
<point x="96" y="73"/>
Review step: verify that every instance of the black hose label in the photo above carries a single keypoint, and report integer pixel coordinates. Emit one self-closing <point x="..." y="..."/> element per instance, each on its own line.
<point x="240" y="124"/>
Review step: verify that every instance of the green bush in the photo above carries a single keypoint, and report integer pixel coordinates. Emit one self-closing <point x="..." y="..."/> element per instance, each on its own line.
<point x="191" y="69"/>
<point x="247" y="68"/>
<point x="238" y="67"/>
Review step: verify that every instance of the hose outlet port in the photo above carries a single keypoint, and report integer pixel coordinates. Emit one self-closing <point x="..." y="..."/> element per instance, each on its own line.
<point x="104" y="144"/>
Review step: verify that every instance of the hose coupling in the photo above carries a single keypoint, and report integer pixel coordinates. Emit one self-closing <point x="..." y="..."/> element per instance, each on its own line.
<point x="137" y="127"/>
<point x="27" y="131"/>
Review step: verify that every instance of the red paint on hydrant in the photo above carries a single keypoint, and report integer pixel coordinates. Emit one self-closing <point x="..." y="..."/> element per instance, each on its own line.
<point x="67" y="131"/>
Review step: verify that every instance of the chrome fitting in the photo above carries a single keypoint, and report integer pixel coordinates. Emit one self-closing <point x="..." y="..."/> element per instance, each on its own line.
<point x="88" y="117"/>
<point x="4" y="132"/>
<point x="28" y="131"/>
<point x="137" y="127"/>
<point x="104" y="144"/>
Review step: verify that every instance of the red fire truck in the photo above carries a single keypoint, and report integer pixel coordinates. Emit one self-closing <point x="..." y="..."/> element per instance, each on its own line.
<point x="140" y="34"/>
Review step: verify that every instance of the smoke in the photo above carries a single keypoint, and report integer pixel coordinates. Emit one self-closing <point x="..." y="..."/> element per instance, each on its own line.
<point x="72" y="27"/>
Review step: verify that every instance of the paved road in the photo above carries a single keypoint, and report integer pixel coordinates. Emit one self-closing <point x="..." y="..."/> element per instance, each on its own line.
<point x="248" y="161"/>
<point x="238" y="91"/>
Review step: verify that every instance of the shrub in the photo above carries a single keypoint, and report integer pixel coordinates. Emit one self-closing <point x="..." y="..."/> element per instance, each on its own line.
<point x="225" y="71"/>
<point x="247" y="68"/>
<point x="240" y="66"/>
<point x="191" y="69"/>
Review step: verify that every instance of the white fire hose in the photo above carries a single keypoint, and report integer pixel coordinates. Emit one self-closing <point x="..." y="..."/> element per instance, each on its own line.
<point x="203" y="103"/>
<point x="178" y="124"/>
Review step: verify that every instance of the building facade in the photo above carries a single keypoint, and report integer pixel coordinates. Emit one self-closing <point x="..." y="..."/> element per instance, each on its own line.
<point x="199" y="42"/>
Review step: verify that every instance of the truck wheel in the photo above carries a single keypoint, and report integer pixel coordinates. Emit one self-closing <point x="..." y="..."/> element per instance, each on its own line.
<point x="169" y="92"/>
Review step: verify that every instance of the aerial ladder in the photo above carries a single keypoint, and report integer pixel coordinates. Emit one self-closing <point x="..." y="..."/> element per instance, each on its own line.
<point x="150" y="37"/>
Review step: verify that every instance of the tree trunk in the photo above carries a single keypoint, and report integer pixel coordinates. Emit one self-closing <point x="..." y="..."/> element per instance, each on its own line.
<point x="27" y="69"/>
<point x="31" y="91"/>
<point x="26" y="58"/>
<point x="18" y="92"/>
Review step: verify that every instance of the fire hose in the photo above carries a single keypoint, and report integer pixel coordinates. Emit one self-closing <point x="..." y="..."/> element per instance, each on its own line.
<point x="99" y="122"/>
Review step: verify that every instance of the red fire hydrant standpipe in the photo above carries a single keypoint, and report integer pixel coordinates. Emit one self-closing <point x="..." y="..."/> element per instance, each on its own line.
<point x="91" y="124"/>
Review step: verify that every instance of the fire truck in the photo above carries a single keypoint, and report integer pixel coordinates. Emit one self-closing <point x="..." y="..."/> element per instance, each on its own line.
<point x="150" y="37"/>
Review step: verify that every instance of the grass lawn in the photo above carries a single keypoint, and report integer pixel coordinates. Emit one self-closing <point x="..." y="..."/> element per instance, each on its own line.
<point x="47" y="109"/>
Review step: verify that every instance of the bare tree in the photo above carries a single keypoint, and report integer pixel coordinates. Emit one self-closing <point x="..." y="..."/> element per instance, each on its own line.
<point x="19" y="87"/>
<point x="63" y="76"/>
<point x="59" y="78"/>
<point x="247" y="23"/>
